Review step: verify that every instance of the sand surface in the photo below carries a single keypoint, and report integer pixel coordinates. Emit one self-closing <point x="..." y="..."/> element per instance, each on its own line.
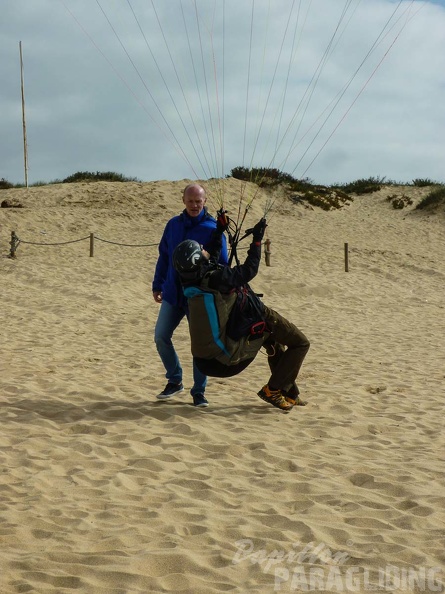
<point x="106" y="490"/>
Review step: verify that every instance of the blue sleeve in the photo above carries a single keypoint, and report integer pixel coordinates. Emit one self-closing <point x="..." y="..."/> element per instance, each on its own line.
<point x="162" y="264"/>
<point x="224" y="255"/>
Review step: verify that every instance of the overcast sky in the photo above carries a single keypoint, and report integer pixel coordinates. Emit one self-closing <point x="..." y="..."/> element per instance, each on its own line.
<point x="333" y="90"/>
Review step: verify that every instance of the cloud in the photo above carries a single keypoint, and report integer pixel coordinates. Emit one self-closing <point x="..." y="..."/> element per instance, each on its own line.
<point x="306" y="91"/>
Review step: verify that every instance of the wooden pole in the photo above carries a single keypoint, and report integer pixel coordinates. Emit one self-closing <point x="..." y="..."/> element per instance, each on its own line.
<point x="25" y="145"/>
<point x="13" y="244"/>
<point x="267" y="252"/>
<point x="91" y="245"/>
<point x="346" y="258"/>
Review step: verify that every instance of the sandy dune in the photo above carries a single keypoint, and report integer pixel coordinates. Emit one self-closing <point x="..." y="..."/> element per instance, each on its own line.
<point x="106" y="490"/>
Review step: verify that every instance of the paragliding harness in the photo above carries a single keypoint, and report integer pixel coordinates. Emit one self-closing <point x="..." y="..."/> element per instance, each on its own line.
<point x="226" y="330"/>
<point x="246" y="317"/>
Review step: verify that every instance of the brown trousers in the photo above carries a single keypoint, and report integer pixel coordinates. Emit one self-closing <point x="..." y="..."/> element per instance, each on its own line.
<point x="286" y="347"/>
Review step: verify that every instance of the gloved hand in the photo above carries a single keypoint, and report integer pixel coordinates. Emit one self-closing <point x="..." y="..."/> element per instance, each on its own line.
<point x="222" y="221"/>
<point x="259" y="229"/>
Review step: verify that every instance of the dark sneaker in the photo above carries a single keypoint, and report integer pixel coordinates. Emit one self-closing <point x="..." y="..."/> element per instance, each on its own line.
<point x="275" y="398"/>
<point x="200" y="400"/>
<point x="170" y="390"/>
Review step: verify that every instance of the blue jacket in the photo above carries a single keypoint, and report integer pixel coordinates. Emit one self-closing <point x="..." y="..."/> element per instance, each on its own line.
<point x="178" y="229"/>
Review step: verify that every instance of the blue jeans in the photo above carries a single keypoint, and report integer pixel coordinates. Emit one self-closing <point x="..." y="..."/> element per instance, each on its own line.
<point x="169" y="319"/>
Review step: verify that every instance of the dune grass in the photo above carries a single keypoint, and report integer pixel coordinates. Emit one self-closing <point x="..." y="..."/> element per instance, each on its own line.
<point x="325" y="197"/>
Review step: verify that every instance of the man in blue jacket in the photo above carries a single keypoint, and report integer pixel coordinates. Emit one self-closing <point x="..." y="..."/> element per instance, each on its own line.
<point x="193" y="223"/>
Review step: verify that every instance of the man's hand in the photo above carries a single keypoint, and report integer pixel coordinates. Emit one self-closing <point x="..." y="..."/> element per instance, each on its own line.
<point x="157" y="296"/>
<point x="222" y="221"/>
<point x="259" y="229"/>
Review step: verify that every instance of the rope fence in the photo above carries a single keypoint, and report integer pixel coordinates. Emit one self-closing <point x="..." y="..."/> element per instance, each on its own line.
<point x="16" y="241"/>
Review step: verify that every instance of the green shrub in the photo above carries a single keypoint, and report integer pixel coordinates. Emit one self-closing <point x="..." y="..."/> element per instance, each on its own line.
<point x="242" y="173"/>
<point x="40" y="183"/>
<point x="299" y="190"/>
<point x="434" y="198"/>
<point x="422" y="183"/>
<point x="266" y="177"/>
<point x="301" y="185"/>
<point x="399" y="202"/>
<point x="363" y="186"/>
<point x="327" y="198"/>
<point x="98" y="176"/>
<point x="4" y="184"/>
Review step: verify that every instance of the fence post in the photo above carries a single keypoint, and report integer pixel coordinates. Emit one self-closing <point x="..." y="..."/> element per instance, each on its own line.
<point x="13" y="243"/>
<point x="267" y="252"/>
<point x="346" y="258"/>
<point x="91" y="245"/>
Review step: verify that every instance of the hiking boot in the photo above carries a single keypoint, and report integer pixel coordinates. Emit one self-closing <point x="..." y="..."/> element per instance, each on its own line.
<point x="170" y="390"/>
<point x="295" y="400"/>
<point x="200" y="400"/>
<point x="275" y="398"/>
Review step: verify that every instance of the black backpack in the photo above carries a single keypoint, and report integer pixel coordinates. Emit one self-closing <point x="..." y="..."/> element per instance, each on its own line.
<point x="247" y="315"/>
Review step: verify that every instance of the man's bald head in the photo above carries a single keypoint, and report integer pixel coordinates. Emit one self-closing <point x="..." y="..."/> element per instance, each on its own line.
<point x="194" y="198"/>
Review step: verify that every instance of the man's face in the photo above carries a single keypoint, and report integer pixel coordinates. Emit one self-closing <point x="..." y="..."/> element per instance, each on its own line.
<point x="194" y="201"/>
